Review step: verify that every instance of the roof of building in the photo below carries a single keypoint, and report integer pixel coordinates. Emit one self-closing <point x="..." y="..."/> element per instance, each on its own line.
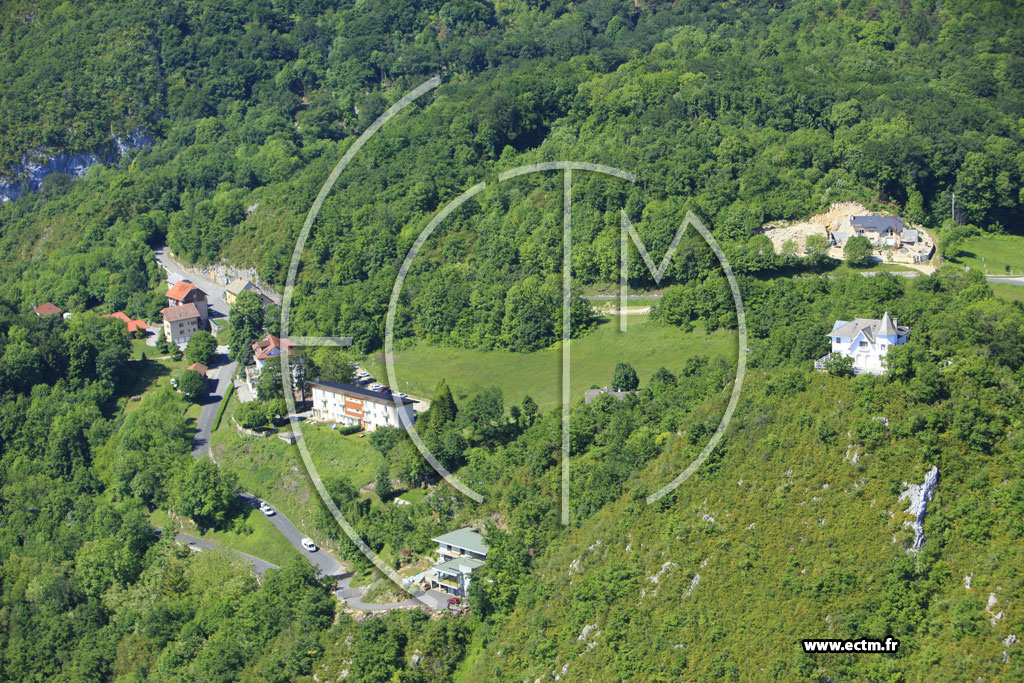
<point x="886" y="328"/>
<point x="877" y="222"/>
<point x="270" y="346"/>
<point x="910" y="236"/>
<point x="180" y="289"/>
<point x="871" y="327"/>
<point x="132" y="324"/>
<point x="464" y="538"/>
<point x="455" y="566"/>
<point x="46" y="309"/>
<point x="183" y="312"/>
<point x="198" y="367"/>
<point x="385" y="397"/>
<point x="591" y="394"/>
<point x="239" y="285"/>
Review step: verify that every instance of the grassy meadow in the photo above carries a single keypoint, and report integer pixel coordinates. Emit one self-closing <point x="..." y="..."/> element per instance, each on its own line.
<point x="1008" y="292"/>
<point x="260" y="538"/>
<point x="645" y="345"/>
<point x="1002" y="254"/>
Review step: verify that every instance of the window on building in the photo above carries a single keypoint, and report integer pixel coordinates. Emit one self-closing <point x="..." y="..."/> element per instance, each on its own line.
<point x="863" y="345"/>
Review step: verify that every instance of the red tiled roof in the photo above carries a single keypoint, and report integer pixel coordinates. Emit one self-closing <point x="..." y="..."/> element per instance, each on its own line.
<point x="46" y="309"/>
<point x="265" y="348"/>
<point x="183" y="312"/>
<point x="132" y="324"/>
<point x="198" y="367"/>
<point x="180" y="289"/>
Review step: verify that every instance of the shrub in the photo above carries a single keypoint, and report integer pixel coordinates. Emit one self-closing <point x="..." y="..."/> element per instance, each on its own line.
<point x="251" y="415"/>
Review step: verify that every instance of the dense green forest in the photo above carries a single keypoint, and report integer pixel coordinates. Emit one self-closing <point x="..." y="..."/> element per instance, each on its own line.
<point x="741" y="112"/>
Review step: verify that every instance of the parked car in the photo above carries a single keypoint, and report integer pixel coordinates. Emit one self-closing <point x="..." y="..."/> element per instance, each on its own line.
<point x="266" y="509"/>
<point x="308" y="545"/>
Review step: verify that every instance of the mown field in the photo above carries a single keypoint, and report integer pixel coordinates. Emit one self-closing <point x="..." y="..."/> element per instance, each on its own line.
<point x="645" y="345"/>
<point x="1000" y="254"/>
<point x="1008" y="292"/>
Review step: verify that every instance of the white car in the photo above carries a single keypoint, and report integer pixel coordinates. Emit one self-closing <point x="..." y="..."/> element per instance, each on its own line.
<point x="266" y="509"/>
<point x="308" y="544"/>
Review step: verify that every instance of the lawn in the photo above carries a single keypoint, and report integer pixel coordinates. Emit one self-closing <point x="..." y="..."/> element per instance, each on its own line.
<point x="260" y="540"/>
<point x="999" y="254"/>
<point x="219" y="327"/>
<point x="882" y="266"/>
<point x="139" y="347"/>
<point x="645" y="345"/>
<point x="149" y="375"/>
<point x="1008" y="292"/>
<point x="273" y="470"/>
<point x="414" y="495"/>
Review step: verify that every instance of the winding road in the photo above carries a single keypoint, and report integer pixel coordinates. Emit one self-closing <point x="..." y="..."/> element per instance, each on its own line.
<point x="327" y="565"/>
<point x="219" y="378"/>
<point x="221" y="372"/>
<point x="223" y="376"/>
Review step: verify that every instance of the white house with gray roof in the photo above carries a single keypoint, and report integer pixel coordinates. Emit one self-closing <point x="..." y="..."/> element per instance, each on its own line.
<point x="459" y="553"/>
<point x="866" y="341"/>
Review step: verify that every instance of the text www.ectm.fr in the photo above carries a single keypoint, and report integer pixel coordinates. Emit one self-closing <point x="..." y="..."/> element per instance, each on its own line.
<point x="858" y="645"/>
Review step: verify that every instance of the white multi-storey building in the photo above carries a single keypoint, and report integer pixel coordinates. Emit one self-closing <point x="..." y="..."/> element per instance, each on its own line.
<point x="866" y="341"/>
<point x="459" y="553"/>
<point x="354" y="405"/>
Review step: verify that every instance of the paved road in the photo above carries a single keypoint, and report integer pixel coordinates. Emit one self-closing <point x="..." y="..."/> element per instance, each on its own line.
<point x="1007" y="280"/>
<point x="327" y="565"/>
<point x="219" y="377"/>
<point x="214" y="291"/>
<point x="353" y="598"/>
<point x="258" y="565"/>
<point x="201" y="448"/>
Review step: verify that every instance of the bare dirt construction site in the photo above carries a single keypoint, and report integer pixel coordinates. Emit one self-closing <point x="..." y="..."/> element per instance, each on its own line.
<point x="837" y="219"/>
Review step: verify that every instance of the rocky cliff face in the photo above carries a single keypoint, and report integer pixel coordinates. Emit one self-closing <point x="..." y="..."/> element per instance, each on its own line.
<point x="918" y="497"/>
<point x="37" y="164"/>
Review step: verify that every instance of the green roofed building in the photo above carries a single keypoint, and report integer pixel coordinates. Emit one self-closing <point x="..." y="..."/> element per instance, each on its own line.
<point x="459" y="553"/>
